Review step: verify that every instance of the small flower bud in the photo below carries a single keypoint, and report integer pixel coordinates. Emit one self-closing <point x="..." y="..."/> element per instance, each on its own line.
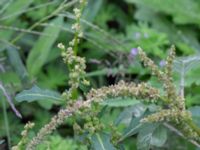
<point x="61" y="46"/>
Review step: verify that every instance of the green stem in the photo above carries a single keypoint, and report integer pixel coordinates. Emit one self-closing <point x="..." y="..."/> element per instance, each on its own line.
<point x="5" y="115"/>
<point x="75" y="48"/>
<point x="76" y="44"/>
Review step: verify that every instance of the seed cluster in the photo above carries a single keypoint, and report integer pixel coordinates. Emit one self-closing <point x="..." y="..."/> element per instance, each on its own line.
<point x="123" y="89"/>
<point x="24" y="135"/>
<point x="176" y="112"/>
<point x="76" y="65"/>
<point x="53" y="124"/>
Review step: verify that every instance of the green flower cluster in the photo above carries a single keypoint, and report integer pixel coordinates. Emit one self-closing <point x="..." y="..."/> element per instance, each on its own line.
<point x="54" y="123"/>
<point x="123" y="89"/>
<point x="76" y="65"/>
<point x="176" y="112"/>
<point x="24" y="135"/>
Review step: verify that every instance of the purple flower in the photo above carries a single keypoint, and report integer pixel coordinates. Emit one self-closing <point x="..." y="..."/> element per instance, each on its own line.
<point x="162" y="63"/>
<point x="134" y="52"/>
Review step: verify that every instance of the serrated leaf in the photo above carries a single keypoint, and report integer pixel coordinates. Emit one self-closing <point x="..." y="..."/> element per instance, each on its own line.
<point x="36" y="94"/>
<point x="40" y="52"/>
<point x="101" y="141"/>
<point x="120" y="102"/>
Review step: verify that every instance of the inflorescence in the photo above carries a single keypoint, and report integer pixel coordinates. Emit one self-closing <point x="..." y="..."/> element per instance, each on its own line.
<point x="176" y="112"/>
<point x="24" y="135"/>
<point x="76" y="65"/>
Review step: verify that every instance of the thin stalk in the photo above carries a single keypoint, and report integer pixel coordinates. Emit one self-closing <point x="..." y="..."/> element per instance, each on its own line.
<point x="182" y="83"/>
<point x="9" y="99"/>
<point x="77" y="32"/>
<point x="5" y="115"/>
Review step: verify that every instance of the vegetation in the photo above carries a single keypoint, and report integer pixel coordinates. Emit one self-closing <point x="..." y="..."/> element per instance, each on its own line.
<point x="96" y="75"/>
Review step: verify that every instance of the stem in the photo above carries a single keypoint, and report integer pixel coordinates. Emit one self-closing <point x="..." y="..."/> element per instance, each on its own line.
<point x="5" y="115"/>
<point x="77" y="32"/>
<point x="182" y="84"/>
<point x="9" y="99"/>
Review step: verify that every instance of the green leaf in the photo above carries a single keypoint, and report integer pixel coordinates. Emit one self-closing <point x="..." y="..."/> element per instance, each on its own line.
<point x="188" y="69"/>
<point x="40" y="52"/>
<point x="192" y="77"/>
<point x="56" y="142"/>
<point x="127" y="114"/>
<point x="133" y="128"/>
<point x="17" y="63"/>
<point x="151" y="134"/>
<point x="54" y="77"/>
<point x="182" y="11"/>
<point x="15" y="9"/>
<point x="195" y="114"/>
<point x="150" y="40"/>
<point x="10" y="78"/>
<point x="139" y="112"/>
<point x="159" y="136"/>
<point x="120" y="102"/>
<point x="36" y="94"/>
<point x="187" y="63"/>
<point x="101" y="141"/>
<point x="185" y="39"/>
<point x="95" y="5"/>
